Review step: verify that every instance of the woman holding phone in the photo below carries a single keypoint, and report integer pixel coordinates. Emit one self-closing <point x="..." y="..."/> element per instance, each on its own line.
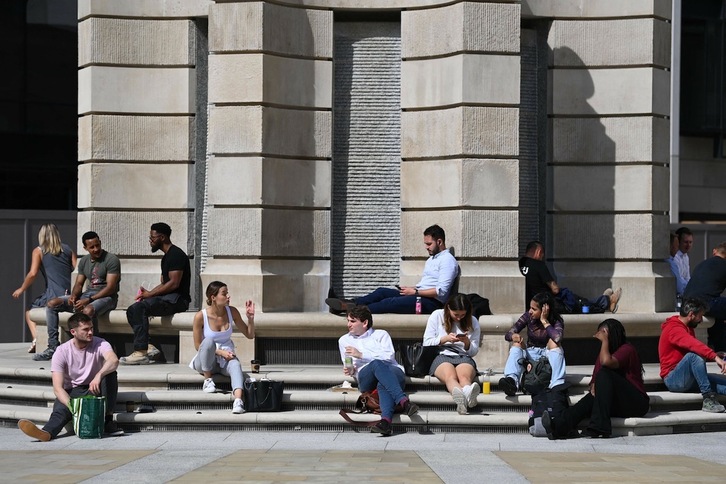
<point x="454" y="328"/>
<point x="545" y="329"/>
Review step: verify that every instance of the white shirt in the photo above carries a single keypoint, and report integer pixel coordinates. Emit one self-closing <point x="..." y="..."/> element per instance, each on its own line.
<point x="374" y="344"/>
<point x="440" y="272"/>
<point x="683" y="264"/>
<point x="435" y="331"/>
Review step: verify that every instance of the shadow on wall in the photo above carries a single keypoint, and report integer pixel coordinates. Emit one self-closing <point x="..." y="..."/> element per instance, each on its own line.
<point x="582" y="177"/>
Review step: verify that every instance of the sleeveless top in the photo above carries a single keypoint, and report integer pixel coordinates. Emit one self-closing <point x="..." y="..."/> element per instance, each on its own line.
<point x="223" y="339"/>
<point x="56" y="270"/>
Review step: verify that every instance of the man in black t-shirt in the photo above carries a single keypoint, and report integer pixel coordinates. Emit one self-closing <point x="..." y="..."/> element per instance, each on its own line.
<point x="707" y="282"/>
<point x="169" y="297"/>
<point x="539" y="279"/>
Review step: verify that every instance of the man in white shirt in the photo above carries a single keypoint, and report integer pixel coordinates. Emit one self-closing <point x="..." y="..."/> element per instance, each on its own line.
<point x="434" y="288"/>
<point x="681" y="261"/>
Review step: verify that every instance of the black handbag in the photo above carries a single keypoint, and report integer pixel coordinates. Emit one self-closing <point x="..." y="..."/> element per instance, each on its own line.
<point x="417" y="359"/>
<point x="263" y="395"/>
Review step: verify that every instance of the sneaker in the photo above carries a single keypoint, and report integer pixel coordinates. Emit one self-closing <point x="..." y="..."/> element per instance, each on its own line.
<point x="508" y="386"/>
<point x="548" y="424"/>
<point x="711" y="405"/>
<point x="155" y="354"/>
<point x="383" y="427"/>
<point x="238" y="406"/>
<point x="608" y="292"/>
<point x="460" y="399"/>
<point x="47" y="355"/>
<point x="410" y="408"/>
<point x="32" y="430"/>
<point x="614" y="299"/>
<point x="208" y="386"/>
<point x="135" y="358"/>
<point x="472" y="393"/>
<point x="111" y="429"/>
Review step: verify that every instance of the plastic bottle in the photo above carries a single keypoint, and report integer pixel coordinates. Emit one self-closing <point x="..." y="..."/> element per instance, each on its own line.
<point x="679" y="301"/>
<point x="486" y="385"/>
<point x="418" y="305"/>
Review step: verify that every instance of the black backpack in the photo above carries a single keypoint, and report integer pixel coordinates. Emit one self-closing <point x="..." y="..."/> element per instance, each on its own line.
<point x="536" y="376"/>
<point x="479" y="305"/>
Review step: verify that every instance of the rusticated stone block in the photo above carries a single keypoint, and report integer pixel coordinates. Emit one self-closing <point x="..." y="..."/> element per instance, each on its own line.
<point x="609" y="9"/>
<point x="594" y="140"/>
<point x="144" y="8"/>
<point x="484" y="131"/>
<point x="127" y="233"/>
<point x="153" y="138"/>
<point x="461" y="27"/>
<point x="273" y="131"/>
<point x="269" y="232"/>
<point x="641" y="90"/>
<point x="261" y="26"/>
<point x="607" y="236"/>
<point x="463" y="78"/>
<point x="634" y="41"/>
<point x="136" y="90"/>
<point x="256" y="78"/>
<point x="611" y="188"/>
<point x="473" y="233"/>
<point x="460" y="183"/>
<point x="136" y="42"/>
<point x="158" y="186"/>
<point x="269" y="181"/>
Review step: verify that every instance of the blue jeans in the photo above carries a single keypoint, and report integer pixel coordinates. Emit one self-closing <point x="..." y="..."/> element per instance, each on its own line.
<point x="690" y="376"/>
<point x="206" y="360"/>
<point x="389" y="380"/>
<point x="556" y="357"/>
<point x="138" y="315"/>
<point x="100" y="307"/>
<point x="386" y="300"/>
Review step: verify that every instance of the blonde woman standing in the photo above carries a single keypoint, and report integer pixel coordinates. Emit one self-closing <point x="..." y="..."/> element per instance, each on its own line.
<point x="55" y="260"/>
<point x="212" y="330"/>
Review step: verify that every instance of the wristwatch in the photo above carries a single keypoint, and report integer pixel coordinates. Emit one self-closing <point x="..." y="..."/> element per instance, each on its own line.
<point x="417" y="291"/>
<point x="90" y="299"/>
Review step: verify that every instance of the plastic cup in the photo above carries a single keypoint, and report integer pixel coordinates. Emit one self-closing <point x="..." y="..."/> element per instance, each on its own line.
<point x="486" y="387"/>
<point x="255" y="366"/>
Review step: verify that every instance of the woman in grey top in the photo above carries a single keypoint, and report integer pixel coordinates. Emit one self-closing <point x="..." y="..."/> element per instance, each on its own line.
<point x="55" y="260"/>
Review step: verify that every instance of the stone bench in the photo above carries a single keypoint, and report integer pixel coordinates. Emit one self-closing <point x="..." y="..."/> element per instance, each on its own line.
<point x="493" y="353"/>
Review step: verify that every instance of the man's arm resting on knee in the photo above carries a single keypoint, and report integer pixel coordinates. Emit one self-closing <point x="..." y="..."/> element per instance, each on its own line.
<point x="109" y="366"/>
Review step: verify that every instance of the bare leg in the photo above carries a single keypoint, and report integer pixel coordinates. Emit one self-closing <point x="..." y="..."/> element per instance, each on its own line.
<point x="31" y="325"/>
<point x="448" y="375"/>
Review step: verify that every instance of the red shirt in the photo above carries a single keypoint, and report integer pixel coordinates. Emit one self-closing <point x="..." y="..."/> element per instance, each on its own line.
<point x="677" y="340"/>
<point x="628" y="366"/>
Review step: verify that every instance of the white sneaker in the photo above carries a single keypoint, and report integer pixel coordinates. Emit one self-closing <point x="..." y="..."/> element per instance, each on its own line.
<point x="460" y="399"/>
<point x="472" y="394"/>
<point x="208" y="386"/>
<point x="238" y="406"/>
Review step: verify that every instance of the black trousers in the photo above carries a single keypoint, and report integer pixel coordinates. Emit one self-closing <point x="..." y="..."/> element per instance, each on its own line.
<point x="138" y="315"/>
<point x="614" y="396"/>
<point x="61" y="414"/>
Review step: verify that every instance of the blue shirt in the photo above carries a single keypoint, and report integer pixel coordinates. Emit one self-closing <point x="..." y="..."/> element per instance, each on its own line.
<point x="440" y="272"/>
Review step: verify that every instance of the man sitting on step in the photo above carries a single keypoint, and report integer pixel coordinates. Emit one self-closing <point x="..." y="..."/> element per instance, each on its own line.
<point x="683" y="357"/>
<point x="85" y="365"/>
<point x="434" y="288"/>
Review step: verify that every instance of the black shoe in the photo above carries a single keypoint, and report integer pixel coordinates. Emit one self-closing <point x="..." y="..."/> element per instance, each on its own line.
<point x="410" y="409"/>
<point x="111" y="429"/>
<point x="594" y="434"/>
<point x="47" y="355"/>
<point x="549" y="425"/>
<point x="383" y="427"/>
<point x="508" y="386"/>
<point x="331" y="294"/>
<point x="338" y="306"/>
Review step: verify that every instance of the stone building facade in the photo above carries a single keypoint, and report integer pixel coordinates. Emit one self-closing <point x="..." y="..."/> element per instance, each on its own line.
<point x="295" y="144"/>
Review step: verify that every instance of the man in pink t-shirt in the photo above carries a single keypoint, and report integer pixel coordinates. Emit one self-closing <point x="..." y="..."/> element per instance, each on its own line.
<point x="85" y="365"/>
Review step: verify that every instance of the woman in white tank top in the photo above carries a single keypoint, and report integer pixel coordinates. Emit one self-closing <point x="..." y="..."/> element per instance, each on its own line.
<point x="213" y="341"/>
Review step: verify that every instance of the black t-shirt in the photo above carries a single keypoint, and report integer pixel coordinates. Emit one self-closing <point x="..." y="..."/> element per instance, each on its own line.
<point x="536" y="275"/>
<point x="176" y="260"/>
<point x="708" y="279"/>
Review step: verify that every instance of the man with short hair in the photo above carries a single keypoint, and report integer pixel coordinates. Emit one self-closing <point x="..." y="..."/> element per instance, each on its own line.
<point x="708" y="282"/>
<point x="170" y="297"/>
<point x="85" y="365"/>
<point x="681" y="260"/>
<point x="434" y="288"/>
<point x="102" y="270"/>
<point x="683" y="357"/>
<point x="374" y="365"/>
<point x="539" y="279"/>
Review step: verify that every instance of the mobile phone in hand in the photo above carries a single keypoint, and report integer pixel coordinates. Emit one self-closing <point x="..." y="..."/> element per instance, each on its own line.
<point x="397" y="287"/>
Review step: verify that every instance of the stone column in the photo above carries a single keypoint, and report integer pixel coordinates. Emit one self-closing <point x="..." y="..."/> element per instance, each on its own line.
<point x="136" y="102"/>
<point x="460" y="142"/>
<point x="609" y="156"/>
<point x="268" y="186"/>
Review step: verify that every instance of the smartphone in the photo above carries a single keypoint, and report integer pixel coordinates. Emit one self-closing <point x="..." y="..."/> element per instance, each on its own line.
<point x="397" y="287"/>
<point x="460" y="335"/>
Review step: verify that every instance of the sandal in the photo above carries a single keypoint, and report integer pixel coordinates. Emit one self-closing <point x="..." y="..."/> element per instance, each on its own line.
<point x="32" y="347"/>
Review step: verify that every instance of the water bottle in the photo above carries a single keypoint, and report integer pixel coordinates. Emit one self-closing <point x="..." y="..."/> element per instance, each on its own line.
<point x="418" y="305"/>
<point x="679" y="301"/>
<point x="486" y="385"/>
<point x="349" y="365"/>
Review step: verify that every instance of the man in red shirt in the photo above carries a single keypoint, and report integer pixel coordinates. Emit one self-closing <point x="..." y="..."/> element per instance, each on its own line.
<point x="683" y="357"/>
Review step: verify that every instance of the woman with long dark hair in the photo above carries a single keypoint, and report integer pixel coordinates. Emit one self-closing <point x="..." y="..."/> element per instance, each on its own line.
<point x="545" y="330"/>
<point x="616" y="388"/>
<point x="458" y="332"/>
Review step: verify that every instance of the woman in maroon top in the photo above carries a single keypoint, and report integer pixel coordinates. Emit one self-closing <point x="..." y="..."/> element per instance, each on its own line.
<point x="616" y="388"/>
